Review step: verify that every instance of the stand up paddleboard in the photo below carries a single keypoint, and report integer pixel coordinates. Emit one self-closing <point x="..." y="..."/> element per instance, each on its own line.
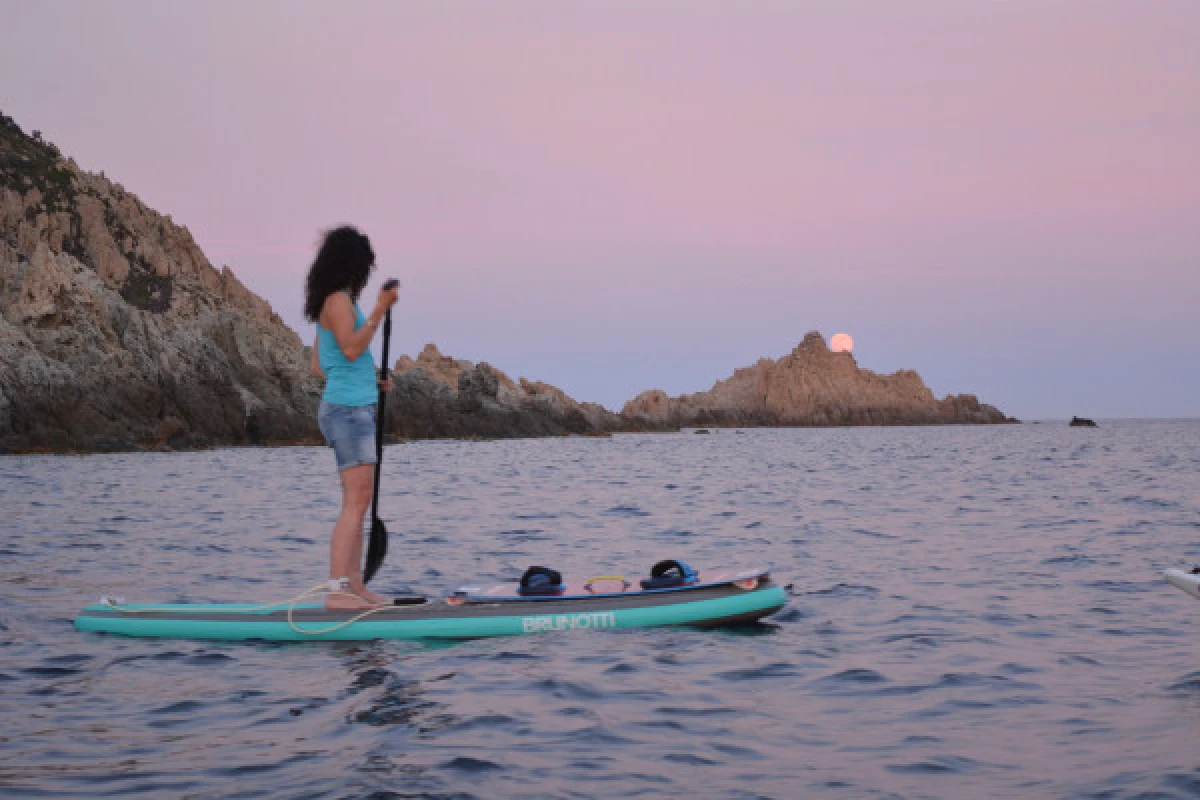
<point x="1185" y="580"/>
<point x="710" y="598"/>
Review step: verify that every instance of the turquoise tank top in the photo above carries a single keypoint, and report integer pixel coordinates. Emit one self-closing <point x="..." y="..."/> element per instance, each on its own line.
<point x="347" y="383"/>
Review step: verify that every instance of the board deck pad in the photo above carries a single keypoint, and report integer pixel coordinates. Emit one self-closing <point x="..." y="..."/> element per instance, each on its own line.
<point x="610" y="586"/>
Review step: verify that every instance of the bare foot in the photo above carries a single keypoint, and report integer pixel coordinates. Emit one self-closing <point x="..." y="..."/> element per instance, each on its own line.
<point x="347" y="602"/>
<point x="372" y="597"/>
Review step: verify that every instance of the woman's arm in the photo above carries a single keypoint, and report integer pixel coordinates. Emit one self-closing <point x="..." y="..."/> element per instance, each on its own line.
<point x="339" y="317"/>
<point x="315" y="362"/>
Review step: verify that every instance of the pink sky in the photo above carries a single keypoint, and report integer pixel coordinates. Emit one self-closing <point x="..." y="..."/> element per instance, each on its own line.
<point x="613" y="196"/>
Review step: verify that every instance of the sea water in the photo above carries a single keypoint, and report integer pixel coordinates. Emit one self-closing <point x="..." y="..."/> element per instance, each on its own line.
<point x="973" y="612"/>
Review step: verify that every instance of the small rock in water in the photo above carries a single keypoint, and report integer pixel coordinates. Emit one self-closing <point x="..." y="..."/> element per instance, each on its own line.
<point x="1081" y="422"/>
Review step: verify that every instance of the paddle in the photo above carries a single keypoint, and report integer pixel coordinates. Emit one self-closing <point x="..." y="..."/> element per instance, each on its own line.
<point x="378" y="542"/>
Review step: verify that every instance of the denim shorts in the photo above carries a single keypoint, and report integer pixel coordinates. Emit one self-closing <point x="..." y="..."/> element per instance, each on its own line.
<point x="350" y="431"/>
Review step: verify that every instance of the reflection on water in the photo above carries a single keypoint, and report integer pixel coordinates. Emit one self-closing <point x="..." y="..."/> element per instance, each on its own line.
<point x="974" y="612"/>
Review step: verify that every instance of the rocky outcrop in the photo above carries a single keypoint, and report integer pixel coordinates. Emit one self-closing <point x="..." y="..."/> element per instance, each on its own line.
<point x="436" y="395"/>
<point x="811" y="386"/>
<point x="1081" y="422"/>
<point x="115" y="330"/>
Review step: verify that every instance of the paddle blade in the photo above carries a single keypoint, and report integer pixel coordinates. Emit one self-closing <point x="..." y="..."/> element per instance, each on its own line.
<point x="376" y="549"/>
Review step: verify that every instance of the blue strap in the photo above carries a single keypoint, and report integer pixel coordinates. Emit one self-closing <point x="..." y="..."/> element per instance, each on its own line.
<point x="669" y="573"/>
<point x="541" y="581"/>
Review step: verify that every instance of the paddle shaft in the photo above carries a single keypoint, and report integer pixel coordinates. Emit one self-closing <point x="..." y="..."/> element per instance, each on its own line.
<point x="380" y="414"/>
<point x="377" y="541"/>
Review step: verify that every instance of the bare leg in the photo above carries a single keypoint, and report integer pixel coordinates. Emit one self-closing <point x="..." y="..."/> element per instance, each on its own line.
<point x="345" y="549"/>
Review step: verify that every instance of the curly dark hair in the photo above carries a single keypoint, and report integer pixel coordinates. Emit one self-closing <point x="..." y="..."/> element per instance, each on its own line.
<point x="343" y="263"/>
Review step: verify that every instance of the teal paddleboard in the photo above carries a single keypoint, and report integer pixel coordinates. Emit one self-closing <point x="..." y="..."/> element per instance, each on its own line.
<point x="715" y="598"/>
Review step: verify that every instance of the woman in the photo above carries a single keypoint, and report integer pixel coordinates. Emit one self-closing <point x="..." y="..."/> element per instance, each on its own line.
<point x="346" y="417"/>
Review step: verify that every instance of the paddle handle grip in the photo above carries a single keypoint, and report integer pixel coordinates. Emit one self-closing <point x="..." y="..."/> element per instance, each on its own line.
<point x="390" y="283"/>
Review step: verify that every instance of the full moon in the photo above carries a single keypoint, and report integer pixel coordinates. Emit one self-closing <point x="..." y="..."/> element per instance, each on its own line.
<point x="841" y="343"/>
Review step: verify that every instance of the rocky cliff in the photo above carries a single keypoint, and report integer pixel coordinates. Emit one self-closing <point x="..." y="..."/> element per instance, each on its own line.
<point x="811" y="386"/>
<point x="115" y="330"/>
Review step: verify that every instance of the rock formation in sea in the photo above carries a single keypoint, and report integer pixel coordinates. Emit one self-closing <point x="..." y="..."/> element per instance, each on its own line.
<point x="811" y="386"/>
<point x="437" y="395"/>
<point x="117" y="333"/>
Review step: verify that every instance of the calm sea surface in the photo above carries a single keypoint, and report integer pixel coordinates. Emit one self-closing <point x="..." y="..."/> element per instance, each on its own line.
<point x="974" y="612"/>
